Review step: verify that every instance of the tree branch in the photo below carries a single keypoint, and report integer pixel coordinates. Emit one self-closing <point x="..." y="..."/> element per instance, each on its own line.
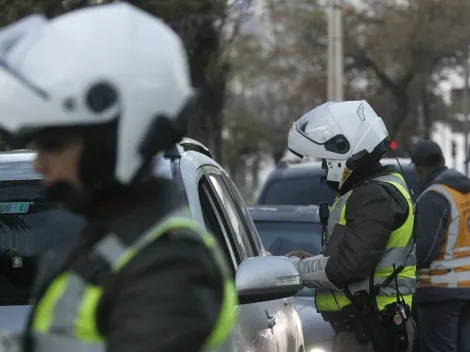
<point x="364" y="60"/>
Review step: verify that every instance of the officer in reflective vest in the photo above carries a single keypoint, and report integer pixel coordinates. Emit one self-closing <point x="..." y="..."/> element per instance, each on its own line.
<point x="442" y="299"/>
<point x="97" y="108"/>
<point x="366" y="272"/>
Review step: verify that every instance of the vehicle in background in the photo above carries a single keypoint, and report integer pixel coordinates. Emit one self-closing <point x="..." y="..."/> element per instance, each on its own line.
<point x="29" y="226"/>
<point x="298" y="183"/>
<point x="267" y="319"/>
<point x="285" y="228"/>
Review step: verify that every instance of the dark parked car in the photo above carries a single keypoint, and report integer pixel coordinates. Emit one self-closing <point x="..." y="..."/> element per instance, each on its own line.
<point x="299" y="183"/>
<point x="285" y="228"/>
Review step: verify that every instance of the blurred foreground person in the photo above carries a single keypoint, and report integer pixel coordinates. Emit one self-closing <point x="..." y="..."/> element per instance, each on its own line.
<point x="365" y="277"/>
<point x="442" y="299"/>
<point x="98" y="93"/>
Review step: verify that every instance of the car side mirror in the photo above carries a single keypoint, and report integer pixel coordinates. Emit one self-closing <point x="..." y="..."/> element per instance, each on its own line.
<point x="260" y="279"/>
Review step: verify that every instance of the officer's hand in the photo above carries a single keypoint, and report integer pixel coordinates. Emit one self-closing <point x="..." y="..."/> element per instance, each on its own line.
<point x="298" y="254"/>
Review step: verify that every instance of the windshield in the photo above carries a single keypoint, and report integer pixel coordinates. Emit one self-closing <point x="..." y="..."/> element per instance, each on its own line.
<point x="280" y="238"/>
<point x="29" y="225"/>
<point x="309" y="190"/>
<point x="297" y="191"/>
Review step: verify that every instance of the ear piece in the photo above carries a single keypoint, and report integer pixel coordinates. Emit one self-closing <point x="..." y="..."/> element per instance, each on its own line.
<point x="341" y="145"/>
<point x="337" y="144"/>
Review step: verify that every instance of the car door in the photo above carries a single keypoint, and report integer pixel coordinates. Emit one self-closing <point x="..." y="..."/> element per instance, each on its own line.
<point x="254" y="332"/>
<point x="265" y="324"/>
<point x="287" y="318"/>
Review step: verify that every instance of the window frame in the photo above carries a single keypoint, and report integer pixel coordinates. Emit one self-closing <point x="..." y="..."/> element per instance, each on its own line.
<point x="248" y="223"/>
<point x="242" y="251"/>
<point x="221" y="233"/>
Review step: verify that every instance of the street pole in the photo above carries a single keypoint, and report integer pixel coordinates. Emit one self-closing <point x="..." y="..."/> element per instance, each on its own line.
<point x="335" y="51"/>
<point x="466" y="108"/>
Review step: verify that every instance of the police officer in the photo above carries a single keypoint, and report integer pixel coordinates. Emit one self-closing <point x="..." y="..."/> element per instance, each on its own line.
<point x="442" y="299"/>
<point x="368" y="236"/>
<point x="99" y="92"/>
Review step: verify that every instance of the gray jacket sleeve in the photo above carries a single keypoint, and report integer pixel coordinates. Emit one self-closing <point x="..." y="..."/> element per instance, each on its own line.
<point x="371" y="216"/>
<point x="431" y="218"/>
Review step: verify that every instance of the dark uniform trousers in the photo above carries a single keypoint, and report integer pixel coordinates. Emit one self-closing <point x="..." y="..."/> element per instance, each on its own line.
<point x="346" y="341"/>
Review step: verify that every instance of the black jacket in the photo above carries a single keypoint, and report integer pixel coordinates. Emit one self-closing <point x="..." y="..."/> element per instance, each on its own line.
<point x="373" y="211"/>
<point x="432" y="217"/>
<point x="167" y="298"/>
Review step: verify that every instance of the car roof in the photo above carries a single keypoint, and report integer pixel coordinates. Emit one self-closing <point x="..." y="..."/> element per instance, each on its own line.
<point x="16" y="165"/>
<point x="17" y="155"/>
<point x="162" y="167"/>
<point x="284" y="213"/>
<point x="303" y="169"/>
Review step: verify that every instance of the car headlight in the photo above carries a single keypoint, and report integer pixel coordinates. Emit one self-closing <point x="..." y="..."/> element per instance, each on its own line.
<point x="322" y="346"/>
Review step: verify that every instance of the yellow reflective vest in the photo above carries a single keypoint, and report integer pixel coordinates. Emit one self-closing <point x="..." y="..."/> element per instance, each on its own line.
<point x="64" y="319"/>
<point x="399" y="249"/>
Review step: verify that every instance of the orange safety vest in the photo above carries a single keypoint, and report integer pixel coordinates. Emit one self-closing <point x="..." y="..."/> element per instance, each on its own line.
<point x="451" y="268"/>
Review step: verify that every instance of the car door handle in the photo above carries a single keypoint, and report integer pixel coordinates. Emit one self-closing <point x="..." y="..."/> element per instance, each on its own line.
<point x="287" y="301"/>
<point x="271" y="320"/>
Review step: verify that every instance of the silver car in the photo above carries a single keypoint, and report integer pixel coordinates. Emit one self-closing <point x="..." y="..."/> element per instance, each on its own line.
<point x="267" y="318"/>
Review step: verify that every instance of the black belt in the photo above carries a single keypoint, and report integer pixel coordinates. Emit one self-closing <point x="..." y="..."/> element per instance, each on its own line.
<point x="340" y="322"/>
<point x="341" y="325"/>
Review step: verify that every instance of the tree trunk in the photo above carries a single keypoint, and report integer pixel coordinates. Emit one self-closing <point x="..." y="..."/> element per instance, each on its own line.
<point x="238" y="176"/>
<point x="277" y="155"/>
<point x="427" y="114"/>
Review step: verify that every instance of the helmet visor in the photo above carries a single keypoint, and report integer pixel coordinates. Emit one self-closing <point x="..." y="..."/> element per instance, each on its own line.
<point x="318" y="125"/>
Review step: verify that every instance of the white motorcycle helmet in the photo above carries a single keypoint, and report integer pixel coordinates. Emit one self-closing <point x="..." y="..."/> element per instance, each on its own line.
<point x="104" y="65"/>
<point x="348" y="135"/>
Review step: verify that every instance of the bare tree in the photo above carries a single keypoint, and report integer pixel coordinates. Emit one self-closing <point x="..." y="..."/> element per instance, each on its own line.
<point x="404" y="42"/>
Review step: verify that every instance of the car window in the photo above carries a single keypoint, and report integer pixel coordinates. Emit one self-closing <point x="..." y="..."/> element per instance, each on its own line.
<point x="215" y="223"/>
<point x="29" y="226"/>
<point x="237" y="226"/>
<point x="280" y="238"/>
<point x="245" y="214"/>
<point x="297" y="191"/>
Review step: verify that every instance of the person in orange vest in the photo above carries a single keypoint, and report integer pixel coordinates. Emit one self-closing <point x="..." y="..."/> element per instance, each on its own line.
<point x="442" y="298"/>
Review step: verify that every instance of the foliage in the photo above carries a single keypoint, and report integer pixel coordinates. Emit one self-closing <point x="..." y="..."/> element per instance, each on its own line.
<point x="404" y="44"/>
<point x="395" y="55"/>
<point x="246" y="134"/>
<point x="274" y="76"/>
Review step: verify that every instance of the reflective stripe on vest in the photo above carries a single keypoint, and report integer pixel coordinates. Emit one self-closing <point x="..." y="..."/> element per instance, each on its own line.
<point x="399" y="249"/>
<point x="452" y="267"/>
<point x="65" y="316"/>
